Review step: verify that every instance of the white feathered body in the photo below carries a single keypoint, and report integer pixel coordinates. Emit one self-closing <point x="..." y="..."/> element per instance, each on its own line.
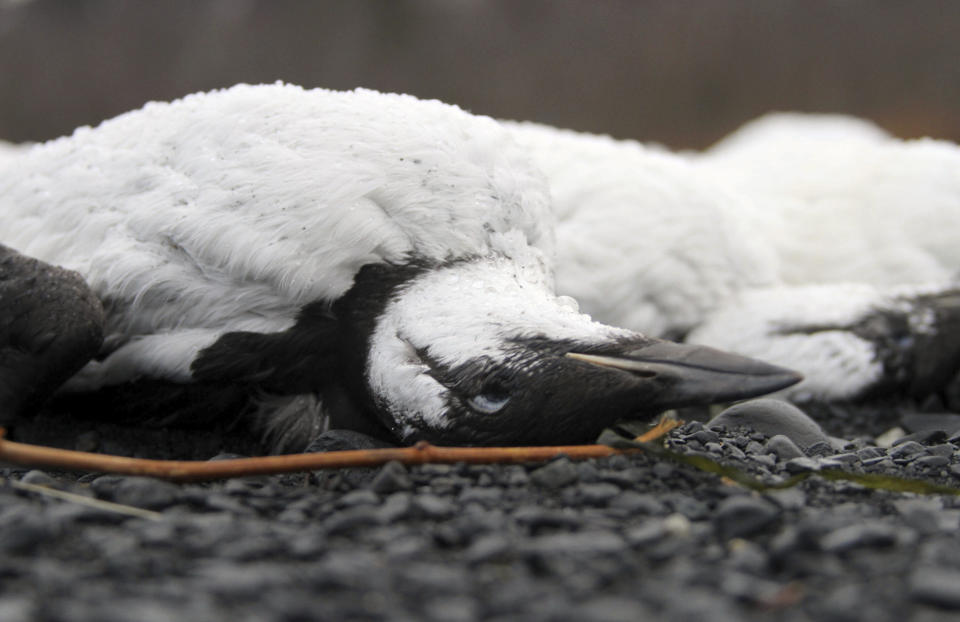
<point x="240" y="206"/>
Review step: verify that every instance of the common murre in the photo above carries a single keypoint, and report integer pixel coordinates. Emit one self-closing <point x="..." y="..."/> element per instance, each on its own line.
<point x="389" y="256"/>
<point x="817" y="242"/>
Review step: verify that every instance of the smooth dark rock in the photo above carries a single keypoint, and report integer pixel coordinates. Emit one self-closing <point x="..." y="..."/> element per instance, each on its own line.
<point x="638" y="503"/>
<point x="936" y="586"/>
<point x="433" y="506"/>
<point x="801" y="465"/>
<point x="784" y="448"/>
<point x="392" y="477"/>
<point x="864" y="534"/>
<point x="39" y="478"/>
<point x="906" y="450"/>
<point x="597" y="493"/>
<point x="948" y="423"/>
<point x="556" y="474"/>
<point x="932" y="462"/>
<point x="582" y="543"/>
<point x="143" y="492"/>
<point x="772" y="417"/>
<point x="743" y="515"/>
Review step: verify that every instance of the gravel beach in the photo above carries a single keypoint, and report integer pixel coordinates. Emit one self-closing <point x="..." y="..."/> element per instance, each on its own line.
<point x="622" y="538"/>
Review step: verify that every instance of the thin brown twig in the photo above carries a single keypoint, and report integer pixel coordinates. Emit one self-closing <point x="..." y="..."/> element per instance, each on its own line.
<point x="193" y="470"/>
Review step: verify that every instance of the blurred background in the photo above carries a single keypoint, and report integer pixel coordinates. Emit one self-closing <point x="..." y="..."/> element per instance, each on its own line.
<point x="679" y="72"/>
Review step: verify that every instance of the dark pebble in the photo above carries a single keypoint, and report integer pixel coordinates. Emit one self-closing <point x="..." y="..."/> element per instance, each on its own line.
<point x="556" y="474"/>
<point x="39" y="478"/>
<point x="586" y="543"/>
<point x="433" y="506"/>
<point x="24" y="537"/>
<point x="536" y="517"/>
<point x="942" y="449"/>
<point x="936" y="586"/>
<point x="820" y="449"/>
<point x="639" y="503"/>
<point x="782" y="447"/>
<point x="395" y="507"/>
<point x="920" y="422"/>
<point x="392" y="477"/>
<point x="801" y="465"/>
<point x="485" y="496"/>
<point x="358" y="497"/>
<point x="688" y="506"/>
<point x="925" y="437"/>
<point x="869" y="453"/>
<point x="647" y="533"/>
<point x="863" y="534"/>
<point x="142" y="492"/>
<point x="352" y="518"/>
<point x="705" y="436"/>
<point x="932" y="462"/>
<point x="906" y="450"/>
<point x="597" y="494"/>
<point x="488" y="547"/>
<point x="587" y="472"/>
<point x="743" y="515"/>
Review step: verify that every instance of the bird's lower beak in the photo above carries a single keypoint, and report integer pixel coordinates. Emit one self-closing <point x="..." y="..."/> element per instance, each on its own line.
<point x="672" y="375"/>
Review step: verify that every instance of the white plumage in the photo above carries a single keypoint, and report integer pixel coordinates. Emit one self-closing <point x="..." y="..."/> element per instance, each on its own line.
<point x="793" y="222"/>
<point x="143" y="204"/>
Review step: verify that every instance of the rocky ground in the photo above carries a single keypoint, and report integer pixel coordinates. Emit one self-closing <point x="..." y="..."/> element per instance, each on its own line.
<point x="623" y="538"/>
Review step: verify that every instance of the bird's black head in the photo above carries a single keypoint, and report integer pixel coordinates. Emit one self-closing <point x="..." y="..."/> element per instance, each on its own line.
<point x="479" y="353"/>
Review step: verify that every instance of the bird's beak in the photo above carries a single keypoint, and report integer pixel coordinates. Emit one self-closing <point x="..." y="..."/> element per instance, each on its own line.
<point x="672" y="375"/>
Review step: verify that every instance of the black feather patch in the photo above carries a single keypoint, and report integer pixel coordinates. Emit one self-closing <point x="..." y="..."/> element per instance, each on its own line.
<point x="301" y="359"/>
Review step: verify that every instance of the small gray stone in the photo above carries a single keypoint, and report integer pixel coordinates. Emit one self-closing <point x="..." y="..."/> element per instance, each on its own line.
<point x="585" y="543"/>
<point x="359" y="497"/>
<point x="863" y="534"/>
<point x="943" y="449"/>
<point x="351" y="518"/>
<point x="771" y="417"/>
<point x="820" y="449"/>
<point x="557" y="474"/>
<point x="647" y="532"/>
<point x="39" y="478"/>
<point x="783" y="448"/>
<point x="908" y="449"/>
<point x="801" y="465"/>
<point x="767" y="460"/>
<point x="869" y="453"/>
<point x="598" y="493"/>
<point x="433" y="506"/>
<point x="743" y="515"/>
<point x="638" y="503"/>
<point x="487" y="547"/>
<point x="142" y="492"/>
<point x="392" y="477"/>
<point x="487" y="497"/>
<point x="395" y="507"/>
<point x="936" y="586"/>
<point x="932" y="462"/>
<point x="705" y="436"/>
<point x="587" y="472"/>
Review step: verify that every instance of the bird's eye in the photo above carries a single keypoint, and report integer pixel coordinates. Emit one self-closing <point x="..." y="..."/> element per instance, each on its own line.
<point x="488" y="403"/>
